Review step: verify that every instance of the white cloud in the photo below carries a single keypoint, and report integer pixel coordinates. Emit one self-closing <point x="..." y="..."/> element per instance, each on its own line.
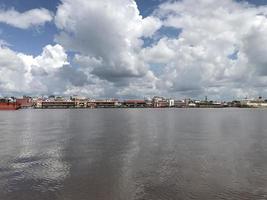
<point x="30" y="18"/>
<point x="48" y="73"/>
<point x="52" y="57"/>
<point x="160" y="53"/>
<point x="108" y="31"/>
<point x="198" y="62"/>
<point x="12" y="72"/>
<point x="108" y="37"/>
<point x="220" y="51"/>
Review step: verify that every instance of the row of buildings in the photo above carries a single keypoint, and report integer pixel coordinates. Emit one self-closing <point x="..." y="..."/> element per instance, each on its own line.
<point x="155" y="102"/>
<point x="53" y="102"/>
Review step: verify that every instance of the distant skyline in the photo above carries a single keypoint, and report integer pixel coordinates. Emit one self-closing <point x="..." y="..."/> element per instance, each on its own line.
<point x="134" y="49"/>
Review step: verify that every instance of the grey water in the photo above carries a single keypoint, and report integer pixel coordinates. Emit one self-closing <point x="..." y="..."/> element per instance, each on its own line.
<point x="133" y="154"/>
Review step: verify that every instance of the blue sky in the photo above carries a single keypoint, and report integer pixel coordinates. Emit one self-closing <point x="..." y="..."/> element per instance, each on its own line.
<point x="144" y="51"/>
<point x="37" y="37"/>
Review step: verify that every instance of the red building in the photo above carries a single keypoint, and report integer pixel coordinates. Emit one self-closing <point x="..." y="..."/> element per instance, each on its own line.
<point x="25" y="102"/>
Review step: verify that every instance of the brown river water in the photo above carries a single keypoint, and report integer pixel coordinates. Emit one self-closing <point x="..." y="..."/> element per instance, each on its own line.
<point x="133" y="154"/>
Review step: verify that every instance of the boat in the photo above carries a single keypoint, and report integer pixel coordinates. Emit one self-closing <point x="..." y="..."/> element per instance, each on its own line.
<point x="9" y="106"/>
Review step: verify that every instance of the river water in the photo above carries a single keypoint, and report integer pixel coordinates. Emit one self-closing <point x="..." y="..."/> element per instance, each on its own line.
<point x="133" y="154"/>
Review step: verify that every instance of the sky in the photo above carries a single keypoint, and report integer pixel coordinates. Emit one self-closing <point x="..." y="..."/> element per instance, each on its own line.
<point x="134" y="49"/>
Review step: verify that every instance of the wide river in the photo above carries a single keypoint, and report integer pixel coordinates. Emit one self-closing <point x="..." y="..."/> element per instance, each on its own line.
<point x="133" y="154"/>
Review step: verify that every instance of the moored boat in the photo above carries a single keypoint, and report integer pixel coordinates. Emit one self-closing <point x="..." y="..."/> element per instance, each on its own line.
<point x="9" y="106"/>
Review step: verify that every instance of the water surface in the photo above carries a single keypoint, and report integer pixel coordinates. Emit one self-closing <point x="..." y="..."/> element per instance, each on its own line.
<point x="133" y="154"/>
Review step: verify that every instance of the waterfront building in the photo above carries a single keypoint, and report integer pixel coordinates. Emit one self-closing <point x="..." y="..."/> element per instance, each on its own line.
<point x="46" y="104"/>
<point x="234" y="103"/>
<point x="80" y="102"/>
<point x="160" y="102"/>
<point x="108" y="103"/>
<point x="135" y="104"/>
<point x="171" y="102"/>
<point x="25" y="102"/>
<point x="179" y="103"/>
<point x="254" y="103"/>
<point x="209" y="104"/>
<point x="156" y="102"/>
<point x="192" y="105"/>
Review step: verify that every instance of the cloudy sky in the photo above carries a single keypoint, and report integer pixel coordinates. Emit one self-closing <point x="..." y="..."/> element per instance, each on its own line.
<point x="134" y="49"/>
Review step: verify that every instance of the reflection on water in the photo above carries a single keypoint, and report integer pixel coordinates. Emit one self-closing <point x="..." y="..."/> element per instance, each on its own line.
<point x="133" y="154"/>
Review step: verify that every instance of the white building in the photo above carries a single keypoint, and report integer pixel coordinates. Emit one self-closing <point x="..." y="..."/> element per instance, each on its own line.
<point x="255" y="103"/>
<point x="171" y="102"/>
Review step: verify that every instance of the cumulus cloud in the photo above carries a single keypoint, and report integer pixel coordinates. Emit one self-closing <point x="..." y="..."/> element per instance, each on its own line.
<point x="12" y="72"/>
<point x="219" y="51"/>
<point x="30" y="18"/>
<point x="200" y="60"/>
<point x="254" y="46"/>
<point x="48" y="73"/>
<point x="219" y="48"/>
<point x="75" y="77"/>
<point x="107" y="31"/>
